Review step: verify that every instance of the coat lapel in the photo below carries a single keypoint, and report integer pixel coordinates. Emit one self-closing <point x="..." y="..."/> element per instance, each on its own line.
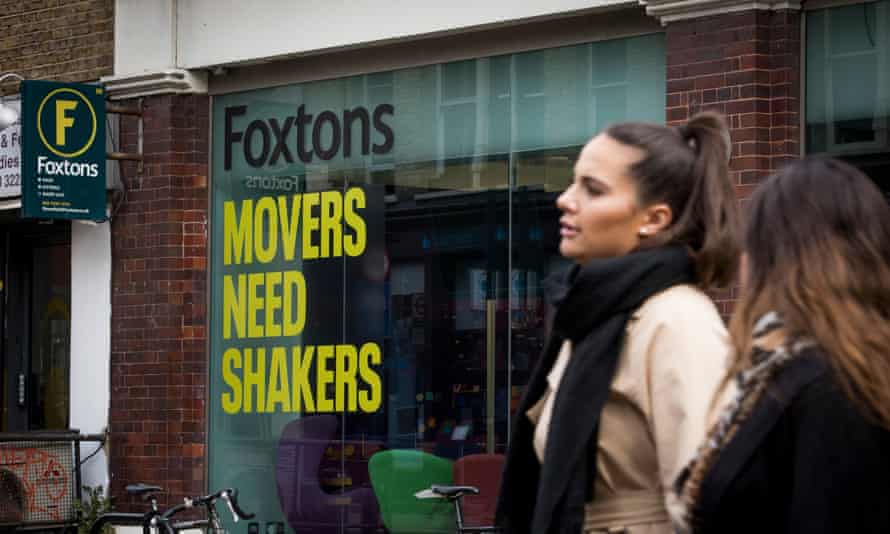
<point x="575" y="423"/>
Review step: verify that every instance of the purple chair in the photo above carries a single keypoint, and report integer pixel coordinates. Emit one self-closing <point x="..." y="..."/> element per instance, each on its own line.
<point x="306" y="505"/>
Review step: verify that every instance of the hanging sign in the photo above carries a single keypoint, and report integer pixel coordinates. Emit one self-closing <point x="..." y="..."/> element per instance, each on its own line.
<point x="10" y="157"/>
<point x="63" y="150"/>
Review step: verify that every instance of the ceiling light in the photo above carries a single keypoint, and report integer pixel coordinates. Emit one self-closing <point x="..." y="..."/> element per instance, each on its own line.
<point x="8" y="115"/>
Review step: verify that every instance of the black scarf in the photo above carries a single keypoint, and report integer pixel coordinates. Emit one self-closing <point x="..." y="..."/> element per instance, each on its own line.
<point x="594" y="303"/>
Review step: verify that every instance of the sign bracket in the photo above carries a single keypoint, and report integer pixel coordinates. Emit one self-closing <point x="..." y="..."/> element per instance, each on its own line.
<point x="135" y="111"/>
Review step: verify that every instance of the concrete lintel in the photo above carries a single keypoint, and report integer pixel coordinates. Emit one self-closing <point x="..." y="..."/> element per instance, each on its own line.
<point x="667" y="11"/>
<point x="170" y="81"/>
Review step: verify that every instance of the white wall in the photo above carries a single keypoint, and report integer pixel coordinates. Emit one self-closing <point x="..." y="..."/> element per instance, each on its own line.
<point x="91" y="340"/>
<point x="193" y="34"/>
<point x="143" y="36"/>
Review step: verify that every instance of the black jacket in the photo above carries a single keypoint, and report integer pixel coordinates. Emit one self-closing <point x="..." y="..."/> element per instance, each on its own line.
<point x="805" y="461"/>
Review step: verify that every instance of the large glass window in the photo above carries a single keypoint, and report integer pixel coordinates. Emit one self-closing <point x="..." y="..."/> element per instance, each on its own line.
<point x="379" y="245"/>
<point x="848" y="85"/>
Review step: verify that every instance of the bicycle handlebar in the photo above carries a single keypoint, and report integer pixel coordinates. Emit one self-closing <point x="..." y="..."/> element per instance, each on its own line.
<point x="231" y="497"/>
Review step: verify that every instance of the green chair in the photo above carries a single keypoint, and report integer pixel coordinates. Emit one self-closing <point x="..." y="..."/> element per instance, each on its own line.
<point x="396" y="475"/>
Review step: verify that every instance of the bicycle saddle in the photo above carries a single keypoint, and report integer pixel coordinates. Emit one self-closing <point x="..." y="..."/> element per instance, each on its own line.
<point x="142" y="489"/>
<point x="452" y="492"/>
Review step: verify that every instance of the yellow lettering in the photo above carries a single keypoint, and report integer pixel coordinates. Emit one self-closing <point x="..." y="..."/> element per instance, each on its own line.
<point x="265" y="230"/>
<point x="331" y="224"/>
<point x="302" y="392"/>
<point x="294" y="295"/>
<point x="234" y="308"/>
<point x="355" y="244"/>
<point x="254" y="377"/>
<point x="237" y="238"/>
<point x="346" y="367"/>
<point x="231" y="401"/>
<point x="323" y="377"/>
<point x="254" y="304"/>
<point x="279" y="390"/>
<point x="289" y="227"/>
<point x="369" y="401"/>
<point x="310" y="224"/>
<point x="273" y="304"/>
<point x="63" y="121"/>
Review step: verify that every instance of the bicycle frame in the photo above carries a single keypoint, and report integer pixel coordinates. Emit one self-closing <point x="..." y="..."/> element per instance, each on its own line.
<point x="124" y="518"/>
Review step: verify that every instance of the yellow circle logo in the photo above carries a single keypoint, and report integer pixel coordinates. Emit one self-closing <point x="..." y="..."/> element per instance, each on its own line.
<point x="63" y="121"/>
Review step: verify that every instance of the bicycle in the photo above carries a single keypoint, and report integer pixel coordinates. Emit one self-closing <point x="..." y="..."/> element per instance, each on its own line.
<point x="161" y="521"/>
<point x="211" y="524"/>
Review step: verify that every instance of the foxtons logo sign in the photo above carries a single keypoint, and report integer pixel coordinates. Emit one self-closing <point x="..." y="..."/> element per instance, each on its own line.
<point x="63" y="150"/>
<point x="66" y="107"/>
<point x="307" y="135"/>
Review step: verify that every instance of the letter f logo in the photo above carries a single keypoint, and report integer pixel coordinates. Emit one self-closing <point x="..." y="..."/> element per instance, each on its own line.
<point x="63" y="122"/>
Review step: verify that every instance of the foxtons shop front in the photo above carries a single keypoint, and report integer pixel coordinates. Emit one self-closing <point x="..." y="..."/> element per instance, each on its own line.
<point x="378" y="246"/>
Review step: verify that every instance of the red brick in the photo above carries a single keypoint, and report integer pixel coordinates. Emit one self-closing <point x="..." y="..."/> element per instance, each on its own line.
<point x="710" y="82"/>
<point x="78" y="48"/>
<point x="747" y="65"/>
<point x="160" y="236"/>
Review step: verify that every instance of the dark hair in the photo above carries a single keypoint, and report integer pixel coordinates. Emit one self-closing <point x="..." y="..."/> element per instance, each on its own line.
<point x="818" y="248"/>
<point x="687" y="167"/>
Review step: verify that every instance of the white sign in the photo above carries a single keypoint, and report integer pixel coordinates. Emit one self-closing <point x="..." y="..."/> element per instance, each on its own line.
<point x="10" y="158"/>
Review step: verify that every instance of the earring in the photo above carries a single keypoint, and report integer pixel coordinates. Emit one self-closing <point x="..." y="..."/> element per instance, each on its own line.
<point x="643" y="232"/>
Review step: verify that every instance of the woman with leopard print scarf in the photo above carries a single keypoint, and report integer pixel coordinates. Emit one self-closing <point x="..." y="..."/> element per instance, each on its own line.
<point x="802" y="445"/>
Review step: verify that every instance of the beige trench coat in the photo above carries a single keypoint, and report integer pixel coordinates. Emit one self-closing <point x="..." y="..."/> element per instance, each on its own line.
<point x="674" y="357"/>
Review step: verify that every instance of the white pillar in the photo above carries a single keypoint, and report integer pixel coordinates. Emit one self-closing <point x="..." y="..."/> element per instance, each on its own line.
<point x="91" y="340"/>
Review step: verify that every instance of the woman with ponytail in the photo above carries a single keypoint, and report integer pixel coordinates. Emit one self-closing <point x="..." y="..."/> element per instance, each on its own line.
<point x="617" y="403"/>
<point x="803" y="445"/>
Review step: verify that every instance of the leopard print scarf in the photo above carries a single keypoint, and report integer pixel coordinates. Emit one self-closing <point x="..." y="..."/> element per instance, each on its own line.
<point x="772" y="349"/>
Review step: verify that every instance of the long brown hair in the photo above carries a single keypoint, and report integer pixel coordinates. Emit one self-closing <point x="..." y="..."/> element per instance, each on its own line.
<point x="687" y="168"/>
<point x="817" y="242"/>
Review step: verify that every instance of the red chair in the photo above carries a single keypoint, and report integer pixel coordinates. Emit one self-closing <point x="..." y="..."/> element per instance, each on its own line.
<point x="482" y="471"/>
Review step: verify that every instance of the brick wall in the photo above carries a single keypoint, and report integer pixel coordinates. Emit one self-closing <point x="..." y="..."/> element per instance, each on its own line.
<point x="158" y="355"/>
<point x="747" y="66"/>
<point x="65" y="40"/>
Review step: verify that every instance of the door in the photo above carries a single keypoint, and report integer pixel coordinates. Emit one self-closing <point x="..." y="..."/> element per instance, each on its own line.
<point x="36" y="332"/>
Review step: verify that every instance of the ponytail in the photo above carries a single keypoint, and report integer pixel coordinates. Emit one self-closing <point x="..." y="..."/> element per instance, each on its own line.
<point x="687" y="167"/>
<point x="712" y="208"/>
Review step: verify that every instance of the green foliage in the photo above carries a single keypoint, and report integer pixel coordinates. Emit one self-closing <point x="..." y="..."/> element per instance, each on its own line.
<point x="95" y="503"/>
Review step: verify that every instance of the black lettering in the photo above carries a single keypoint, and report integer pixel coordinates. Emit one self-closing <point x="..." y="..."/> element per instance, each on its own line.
<point x="326" y="116"/>
<point x="349" y="116"/>
<point x="231" y="137"/>
<point x="255" y="126"/>
<point x="383" y="128"/>
<point x="280" y="135"/>
<point x="302" y="120"/>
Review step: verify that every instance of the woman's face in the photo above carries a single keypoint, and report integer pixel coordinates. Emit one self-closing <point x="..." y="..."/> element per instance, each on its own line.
<point x="601" y="212"/>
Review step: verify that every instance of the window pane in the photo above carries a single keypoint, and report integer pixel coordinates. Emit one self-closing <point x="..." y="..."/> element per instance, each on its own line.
<point x="848" y="80"/>
<point x="50" y="339"/>
<point x="457" y="166"/>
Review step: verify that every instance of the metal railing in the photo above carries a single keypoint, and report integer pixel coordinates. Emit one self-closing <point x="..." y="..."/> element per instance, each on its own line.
<point x="40" y="478"/>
